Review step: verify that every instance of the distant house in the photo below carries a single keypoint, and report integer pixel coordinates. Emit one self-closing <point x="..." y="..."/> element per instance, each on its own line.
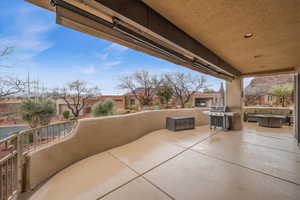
<point x="208" y="99"/>
<point x="259" y="91"/>
<point x="199" y="99"/>
<point x="131" y="99"/>
<point x="10" y="105"/>
<point x="119" y="102"/>
<point x="10" y="110"/>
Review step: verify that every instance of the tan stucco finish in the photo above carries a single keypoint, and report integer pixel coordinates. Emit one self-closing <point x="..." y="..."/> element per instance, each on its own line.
<point x="221" y="25"/>
<point x="234" y="101"/>
<point x="95" y="135"/>
<point x="255" y="163"/>
<point x="218" y="25"/>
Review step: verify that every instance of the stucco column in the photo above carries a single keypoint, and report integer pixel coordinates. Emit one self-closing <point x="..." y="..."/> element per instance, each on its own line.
<point x="233" y="99"/>
<point x="296" y="110"/>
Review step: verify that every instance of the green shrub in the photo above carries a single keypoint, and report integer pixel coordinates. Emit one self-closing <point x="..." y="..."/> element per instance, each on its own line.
<point x="165" y="93"/>
<point x="155" y="108"/>
<point x="103" y="108"/>
<point x="132" y="108"/>
<point x="66" y="114"/>
<point x="72" y="117"/>
<point x="37" y="112"/>
<point x="156" y="104"/>
<point x="121" y="112"/>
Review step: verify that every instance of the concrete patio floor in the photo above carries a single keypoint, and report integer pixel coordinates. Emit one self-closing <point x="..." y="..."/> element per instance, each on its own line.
<point x="256" y="163"/>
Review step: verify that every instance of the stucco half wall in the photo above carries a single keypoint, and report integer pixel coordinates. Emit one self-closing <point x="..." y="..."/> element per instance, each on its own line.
<point x="95" y="135"/>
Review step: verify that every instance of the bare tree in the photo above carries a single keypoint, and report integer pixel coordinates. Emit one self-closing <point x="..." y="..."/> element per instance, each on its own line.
<point x="10" y="86"/>
<point x="5" y="52"/>
<point x="142" y="85"/>
<point x="185" y="86"/>
<point x="254" y="95"/>
<point x="76" y="93"/>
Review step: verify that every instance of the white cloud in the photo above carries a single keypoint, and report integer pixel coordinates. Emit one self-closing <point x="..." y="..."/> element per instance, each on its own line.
<point x="89" y="70"/>
<point x="103" y="56"/>
<point x="111" y="63"/>
<point x="111" y="55"/>
<point x="29" y="37"/>
<point x="116" y="47"/>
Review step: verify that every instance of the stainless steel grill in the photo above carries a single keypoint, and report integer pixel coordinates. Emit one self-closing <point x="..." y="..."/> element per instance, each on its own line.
<point x="219" y="117"/>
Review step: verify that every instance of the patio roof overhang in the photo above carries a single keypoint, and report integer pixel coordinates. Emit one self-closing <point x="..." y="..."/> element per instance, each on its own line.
<point x="224" y="39"/>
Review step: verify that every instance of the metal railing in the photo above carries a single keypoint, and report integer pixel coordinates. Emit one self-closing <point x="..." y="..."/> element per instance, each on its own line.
<point x="8" y="167"/>
<point x="35" y="138"/>
<point x="15" y="147"/>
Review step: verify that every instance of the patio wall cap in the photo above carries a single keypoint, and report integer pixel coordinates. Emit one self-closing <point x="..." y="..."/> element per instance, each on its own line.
<point x="141" y="112"/>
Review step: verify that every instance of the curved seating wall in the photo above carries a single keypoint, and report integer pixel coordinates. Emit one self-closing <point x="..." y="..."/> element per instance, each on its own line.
<point x="95" y="135"/>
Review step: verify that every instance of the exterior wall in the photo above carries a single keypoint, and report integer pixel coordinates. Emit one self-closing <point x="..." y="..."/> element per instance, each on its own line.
<point x="265" y="100"/>
<point x="95" y="135"/>
<point x="119" y="101"/>
<point x="211" y="99"/>
<point x="62" y="108"/>
<point x="10" y="113"/>
<point x="9" y="107"/>
<point x="131" y="100"/>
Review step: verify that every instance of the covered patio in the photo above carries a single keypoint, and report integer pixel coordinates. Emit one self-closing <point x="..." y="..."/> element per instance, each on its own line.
<point x="256" y="163"/>
<point x="133" y="156"/>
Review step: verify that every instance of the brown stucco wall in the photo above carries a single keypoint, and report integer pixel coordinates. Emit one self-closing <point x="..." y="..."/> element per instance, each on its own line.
<point x="95" y="135"/>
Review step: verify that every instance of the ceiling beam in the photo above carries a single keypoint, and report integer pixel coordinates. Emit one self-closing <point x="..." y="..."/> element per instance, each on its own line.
<point x="270" y="72"/>
<point x="42" y="3"/>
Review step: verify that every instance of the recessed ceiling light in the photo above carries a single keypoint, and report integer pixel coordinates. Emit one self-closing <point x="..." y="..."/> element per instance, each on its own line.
<point x="248" y="35"/>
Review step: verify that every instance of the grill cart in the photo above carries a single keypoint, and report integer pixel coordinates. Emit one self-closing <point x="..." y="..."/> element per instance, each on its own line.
<point x="219" y="117"/>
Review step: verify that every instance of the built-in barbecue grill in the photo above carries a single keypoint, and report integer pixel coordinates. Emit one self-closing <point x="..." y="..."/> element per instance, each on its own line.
<point x="219" y="117"/>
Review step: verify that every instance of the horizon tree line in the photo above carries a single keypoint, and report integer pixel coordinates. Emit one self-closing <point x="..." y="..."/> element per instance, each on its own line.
<point x="180" y="86"/>
<point x="145" y="86"/>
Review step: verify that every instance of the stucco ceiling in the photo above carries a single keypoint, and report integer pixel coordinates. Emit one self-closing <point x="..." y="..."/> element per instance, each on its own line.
<point x="221" y="25"/>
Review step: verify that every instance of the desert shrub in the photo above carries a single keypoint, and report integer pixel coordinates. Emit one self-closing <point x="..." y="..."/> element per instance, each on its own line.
<point x="156" y="103"/>
<point x="155" y="107"/>
<point x="37" y="112"/>
<point x="103" y="108"/>
<point x="165" y="93"/>
<point x="72" y="117"/>
<point x="132" y="108"/>
<point x="121" y="112"/>
<point x="66" y="114"/>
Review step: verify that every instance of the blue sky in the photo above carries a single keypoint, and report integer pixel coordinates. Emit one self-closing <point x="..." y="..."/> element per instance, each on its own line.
<point x="55" y="55"/>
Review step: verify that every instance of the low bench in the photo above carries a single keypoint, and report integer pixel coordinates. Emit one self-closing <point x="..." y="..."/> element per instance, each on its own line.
<point x="180" y="123"/>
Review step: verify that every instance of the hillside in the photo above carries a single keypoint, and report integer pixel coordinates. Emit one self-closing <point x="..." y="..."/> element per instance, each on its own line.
<point x="263" y="85"/>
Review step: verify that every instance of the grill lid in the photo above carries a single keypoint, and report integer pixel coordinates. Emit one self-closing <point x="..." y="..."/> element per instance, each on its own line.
<point x="218" y="109"/>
